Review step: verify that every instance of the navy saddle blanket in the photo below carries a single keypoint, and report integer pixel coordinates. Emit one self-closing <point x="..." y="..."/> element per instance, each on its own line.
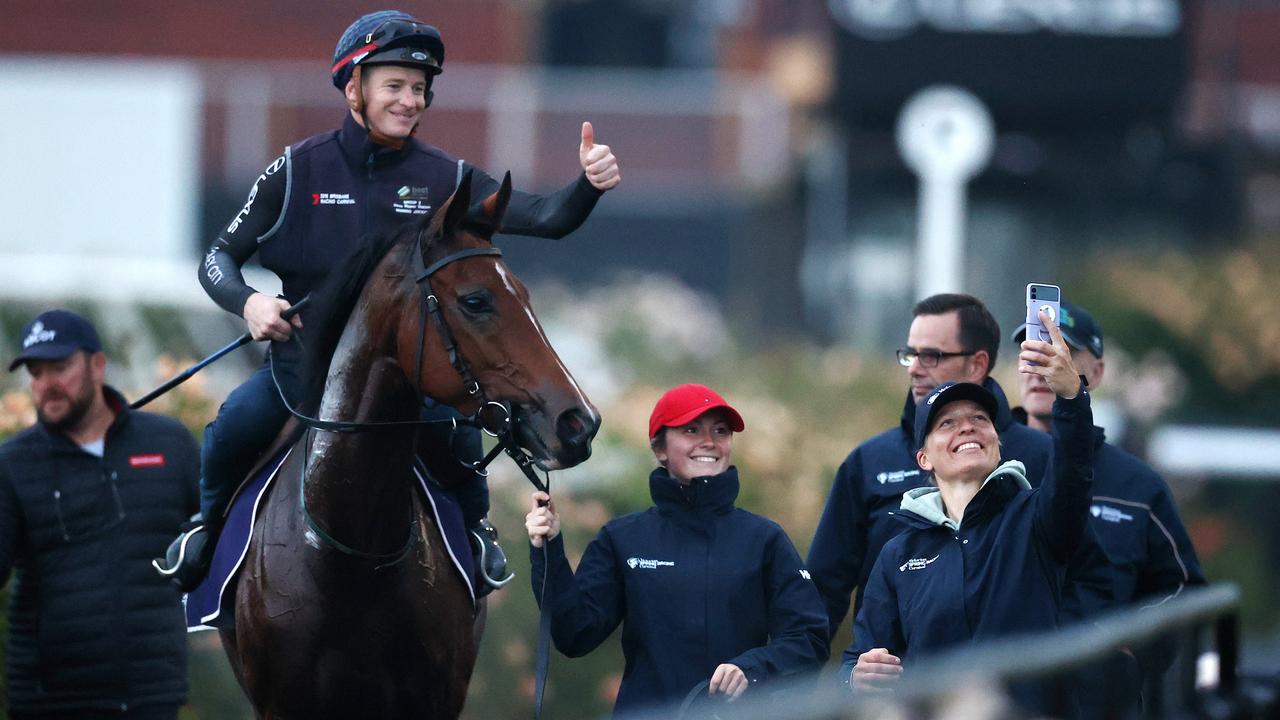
<point x="212" y="603"/>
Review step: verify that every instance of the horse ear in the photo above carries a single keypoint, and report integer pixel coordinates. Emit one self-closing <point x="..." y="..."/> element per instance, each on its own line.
<point x="495" y="206"/>
<point x="458" y="205"/>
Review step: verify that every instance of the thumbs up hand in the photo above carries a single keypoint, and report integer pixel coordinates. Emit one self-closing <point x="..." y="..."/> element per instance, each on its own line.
<point x="598" y="161"/>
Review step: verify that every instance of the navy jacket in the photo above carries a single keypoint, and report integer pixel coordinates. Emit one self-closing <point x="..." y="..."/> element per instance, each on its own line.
<point x="1149" y="555"/>
<point x="310" y="206"/>
<point x="91" y="625"/>
<point x="999" y="572"/>
<point x="695" y="582"/>
<point x="869" y="485"/>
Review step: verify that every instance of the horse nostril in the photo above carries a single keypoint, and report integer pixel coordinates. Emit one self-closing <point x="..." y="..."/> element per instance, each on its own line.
<point x="575" y="428"/>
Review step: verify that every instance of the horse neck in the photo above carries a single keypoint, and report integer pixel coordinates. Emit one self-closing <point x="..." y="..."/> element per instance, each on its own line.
<point x="358" y="485"/>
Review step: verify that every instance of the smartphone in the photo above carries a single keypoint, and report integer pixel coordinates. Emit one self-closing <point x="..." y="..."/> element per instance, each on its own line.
<point x="1042" y="297"/>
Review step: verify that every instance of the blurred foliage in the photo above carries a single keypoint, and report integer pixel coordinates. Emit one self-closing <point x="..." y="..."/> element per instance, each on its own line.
<point x="805" y="407"/>
<point x="1213" y="311"/>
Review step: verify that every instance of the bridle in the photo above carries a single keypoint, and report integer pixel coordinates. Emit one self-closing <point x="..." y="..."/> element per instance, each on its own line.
<point x="504" y="431"/>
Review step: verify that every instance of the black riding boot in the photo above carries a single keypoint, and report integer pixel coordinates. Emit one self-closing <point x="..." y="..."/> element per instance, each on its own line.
<point x="186" y="562"/>
<point x="490" y="559"/>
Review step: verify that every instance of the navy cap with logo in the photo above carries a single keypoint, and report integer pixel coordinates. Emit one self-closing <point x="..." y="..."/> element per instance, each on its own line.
<point x="947" y="393"/>
<point x="54" y="335"/>
<point x="1078" y="328"/>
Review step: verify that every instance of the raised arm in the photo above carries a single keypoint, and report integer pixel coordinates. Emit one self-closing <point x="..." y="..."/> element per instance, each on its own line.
<point x="563" y="211"/>
<point x="1063" y="499"/>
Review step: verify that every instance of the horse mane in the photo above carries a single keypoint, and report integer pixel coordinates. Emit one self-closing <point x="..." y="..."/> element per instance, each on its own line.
<point x="331" y="305"/>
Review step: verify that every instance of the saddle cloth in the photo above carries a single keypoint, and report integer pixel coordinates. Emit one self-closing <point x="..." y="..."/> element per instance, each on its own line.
<point x="212" y="603"/>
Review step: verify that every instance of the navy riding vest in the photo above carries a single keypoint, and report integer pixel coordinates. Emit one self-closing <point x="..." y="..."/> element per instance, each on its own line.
<point x="341" y="187"/>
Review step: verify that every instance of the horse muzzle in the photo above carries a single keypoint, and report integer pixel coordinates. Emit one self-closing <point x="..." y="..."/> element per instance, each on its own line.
<point x="560" y="444"/>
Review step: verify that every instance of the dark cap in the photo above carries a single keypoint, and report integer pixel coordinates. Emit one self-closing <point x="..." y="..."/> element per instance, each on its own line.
<point x="54" y="335"/>
<point x="946" y="393"/>
<point x="683" y="403"/>
<point x="1078" y="328"/>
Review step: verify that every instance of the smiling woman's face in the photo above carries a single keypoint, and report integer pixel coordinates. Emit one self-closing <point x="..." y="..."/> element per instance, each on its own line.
<point x="699" y="448"/>
<point x="961" y="443"/>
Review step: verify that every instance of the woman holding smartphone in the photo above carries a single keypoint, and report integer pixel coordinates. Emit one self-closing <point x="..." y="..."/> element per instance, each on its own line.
<point x="981" y="555"/>
<point x="705" y="591"/>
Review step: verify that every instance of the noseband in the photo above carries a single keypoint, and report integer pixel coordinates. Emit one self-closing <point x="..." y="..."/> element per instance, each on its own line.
<point x="504" y="431"/>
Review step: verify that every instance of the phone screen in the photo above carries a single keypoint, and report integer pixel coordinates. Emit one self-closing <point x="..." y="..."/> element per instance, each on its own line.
<point x="1048" y="293"/>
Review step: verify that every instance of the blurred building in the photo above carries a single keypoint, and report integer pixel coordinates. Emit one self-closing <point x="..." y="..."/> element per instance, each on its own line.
<point x="756" y="136"/>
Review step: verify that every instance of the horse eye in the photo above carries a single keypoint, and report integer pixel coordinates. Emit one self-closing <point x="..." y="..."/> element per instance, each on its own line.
<point x="477" y="303"/>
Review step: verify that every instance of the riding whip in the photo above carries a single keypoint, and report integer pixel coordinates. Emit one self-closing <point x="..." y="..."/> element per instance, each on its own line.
<point x="185" y="375"/>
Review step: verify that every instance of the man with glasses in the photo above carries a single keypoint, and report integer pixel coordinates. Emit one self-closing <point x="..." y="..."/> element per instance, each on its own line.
<point x="953" y="338"/>
<point x="88" y="495"/>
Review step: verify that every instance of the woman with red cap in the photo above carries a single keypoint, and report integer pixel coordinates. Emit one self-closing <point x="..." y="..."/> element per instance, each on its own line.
<point x="705" y="591"/>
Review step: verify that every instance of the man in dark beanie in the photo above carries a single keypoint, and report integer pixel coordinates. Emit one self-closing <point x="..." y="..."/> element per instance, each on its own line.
<point x="88" y="495"/>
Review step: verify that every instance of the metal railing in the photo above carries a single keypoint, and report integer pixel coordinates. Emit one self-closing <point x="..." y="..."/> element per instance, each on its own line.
<point x="968" y="682"/>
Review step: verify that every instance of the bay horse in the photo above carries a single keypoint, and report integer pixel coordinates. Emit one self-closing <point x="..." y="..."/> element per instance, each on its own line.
<point x="387" y="631"/>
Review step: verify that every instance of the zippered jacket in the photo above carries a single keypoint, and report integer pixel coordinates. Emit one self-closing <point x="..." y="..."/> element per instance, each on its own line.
<point x="856" y="522"/>
<point x="695" y="582"/>
<point x="91" y="624"/>
<point x="1000" y="571"/>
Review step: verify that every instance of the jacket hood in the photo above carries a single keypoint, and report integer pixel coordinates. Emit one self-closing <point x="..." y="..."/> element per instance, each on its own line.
<point x="1003" y="419"/>
<point x="926" y="502"/>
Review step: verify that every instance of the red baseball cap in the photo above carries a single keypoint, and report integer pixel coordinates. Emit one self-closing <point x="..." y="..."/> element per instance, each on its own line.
<point x="683" y="403"/>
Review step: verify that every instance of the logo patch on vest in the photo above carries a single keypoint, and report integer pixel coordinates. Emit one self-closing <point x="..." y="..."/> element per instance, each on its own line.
<point x="150" y="460"/>
<point x="332" y="199"/>
<point x="412" y="200"/>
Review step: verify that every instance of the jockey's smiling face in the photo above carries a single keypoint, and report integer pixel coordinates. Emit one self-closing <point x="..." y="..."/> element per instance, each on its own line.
<point x="395" y="98"/>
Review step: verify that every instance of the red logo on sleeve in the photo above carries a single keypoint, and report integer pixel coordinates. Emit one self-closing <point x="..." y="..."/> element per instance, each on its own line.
<point x="152" y="460"/>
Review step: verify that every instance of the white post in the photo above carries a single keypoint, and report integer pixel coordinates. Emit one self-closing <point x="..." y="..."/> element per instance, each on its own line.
<point x="945" y="135"/>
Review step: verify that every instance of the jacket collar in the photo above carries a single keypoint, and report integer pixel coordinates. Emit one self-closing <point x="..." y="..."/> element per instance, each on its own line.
<point x="1003" y="419"/>
<point x="714" y="493"/>
<point x="360" y="151"/>
<point x="924" y="504"/>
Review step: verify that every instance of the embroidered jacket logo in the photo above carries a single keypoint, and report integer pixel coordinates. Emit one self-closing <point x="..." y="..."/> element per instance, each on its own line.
<point x="38" y="335"/>
<point x="1107" y="513"/>
<point x="643" y="564"/>
<point x="916" y="564"/>
<point x="896" y="476"/>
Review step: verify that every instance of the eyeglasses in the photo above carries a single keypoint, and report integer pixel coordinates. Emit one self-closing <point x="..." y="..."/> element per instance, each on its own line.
<point x="928" y="358"/>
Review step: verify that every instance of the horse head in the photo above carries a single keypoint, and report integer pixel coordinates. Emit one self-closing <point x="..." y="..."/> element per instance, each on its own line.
<point x="502" y="354"/>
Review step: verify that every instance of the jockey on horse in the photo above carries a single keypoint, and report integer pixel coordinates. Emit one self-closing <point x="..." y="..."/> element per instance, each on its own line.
<point x="301" y="217"/>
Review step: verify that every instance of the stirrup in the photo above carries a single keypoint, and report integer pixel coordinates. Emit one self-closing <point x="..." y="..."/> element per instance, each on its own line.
<point x="186" y="561"/>
<point x="489" y="553"/>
